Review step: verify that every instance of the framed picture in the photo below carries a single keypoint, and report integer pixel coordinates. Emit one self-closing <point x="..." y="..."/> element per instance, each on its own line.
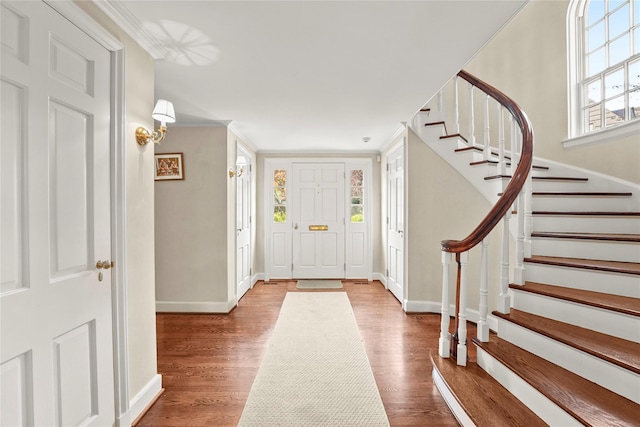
<point x="169" y="166"/>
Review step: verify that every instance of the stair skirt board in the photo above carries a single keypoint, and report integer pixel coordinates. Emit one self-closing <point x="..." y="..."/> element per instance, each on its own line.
<point x="608" y="322"/>
<point x="588" y="249"/>
<point x="601" y="372"/>
<point x="451" y="401"/>
<point x="589" y="280"/>
<point x="550" y="413"/>
<point x="593" y="223"/>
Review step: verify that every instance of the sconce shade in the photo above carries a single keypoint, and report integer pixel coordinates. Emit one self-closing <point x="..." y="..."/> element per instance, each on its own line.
<point x="241" y="161"/>
<point x="163" y="112"/>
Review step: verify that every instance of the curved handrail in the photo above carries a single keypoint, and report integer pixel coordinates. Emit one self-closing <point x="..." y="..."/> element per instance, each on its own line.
<point x="519" y="176"/>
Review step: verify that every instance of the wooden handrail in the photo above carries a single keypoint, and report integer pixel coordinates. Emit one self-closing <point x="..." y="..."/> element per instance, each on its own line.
<point x="519" y="176"/>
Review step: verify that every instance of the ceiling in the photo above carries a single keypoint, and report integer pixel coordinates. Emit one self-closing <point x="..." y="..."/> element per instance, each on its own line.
<point x="307" y="76"/>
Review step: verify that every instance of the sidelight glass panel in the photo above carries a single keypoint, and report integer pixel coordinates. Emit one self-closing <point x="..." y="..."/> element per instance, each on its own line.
<point x="279" y="195"/>
<point x="357" y="195"/>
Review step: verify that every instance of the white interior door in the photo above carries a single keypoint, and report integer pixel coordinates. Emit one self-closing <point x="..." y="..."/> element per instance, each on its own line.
<point x="243" y="227"/>
<point x="318" y="219"/>
<point x="395" y="223"/>
<point x="56" y="323"/>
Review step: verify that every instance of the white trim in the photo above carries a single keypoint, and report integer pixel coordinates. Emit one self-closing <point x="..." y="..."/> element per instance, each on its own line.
<point x="381" y="278"/>
<point x="245" y="142"/>
<point x="141" y="400"/>
<point x="80" y="19"/>
<point x="118" y="12"/>
<point x="195" y="307"/>
<point x="451" y="401"/>
<point x="622" y="130"/>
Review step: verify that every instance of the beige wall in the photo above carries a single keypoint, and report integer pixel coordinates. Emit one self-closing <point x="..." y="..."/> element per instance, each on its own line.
<point x="190" y="217"/>
<point x="442" y="205"/>
<point x="140" y="278"/>
<point x="527" y="60"/>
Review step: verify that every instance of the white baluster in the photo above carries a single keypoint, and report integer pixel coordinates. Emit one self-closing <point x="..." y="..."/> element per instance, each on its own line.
<point x="444" y="343"/>
<point x="502" y="161"/>
<point x="528" y="216"/>
<point x="504" y="302"/>
<point x="483" y="325"/>
<point x="456" y="106"/>
<point x="472" y="131"/>
<point x="519" y="268"/>
<point x="513" y="145"/>
<point x="487" y="130"/>
<point x="462" y="314"/>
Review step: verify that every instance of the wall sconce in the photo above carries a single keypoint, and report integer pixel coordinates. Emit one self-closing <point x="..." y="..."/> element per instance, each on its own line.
<point x="164" y="113"/>
<point x="241" y="162"/>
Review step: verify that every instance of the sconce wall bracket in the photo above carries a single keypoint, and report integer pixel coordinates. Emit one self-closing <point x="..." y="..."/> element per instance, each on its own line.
<point x="143" y="136"/>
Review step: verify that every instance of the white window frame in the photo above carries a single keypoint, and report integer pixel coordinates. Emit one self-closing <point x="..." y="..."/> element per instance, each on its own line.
<point x="575" y="61"/>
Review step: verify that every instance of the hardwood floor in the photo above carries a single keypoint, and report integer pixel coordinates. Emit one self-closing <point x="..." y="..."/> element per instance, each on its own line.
<point x="208" y="362"/>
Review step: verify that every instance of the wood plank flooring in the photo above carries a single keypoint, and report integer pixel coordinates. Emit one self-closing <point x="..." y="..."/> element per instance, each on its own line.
<point x="208" y="361"/>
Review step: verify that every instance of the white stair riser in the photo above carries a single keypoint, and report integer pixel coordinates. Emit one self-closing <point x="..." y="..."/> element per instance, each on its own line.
<point x="603" y="373"/>
<point x="558" y="185"/>
<point x="578" y="278"/>
<point x="583" y="223"/>
<point x="580" y="204"/>
<point x="550" y="413"/>
<point x="597" y="319"/>
<point x="588" y="249"/>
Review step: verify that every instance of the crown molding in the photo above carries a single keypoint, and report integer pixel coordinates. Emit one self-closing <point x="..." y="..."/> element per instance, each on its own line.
<point x="118" y="12"/>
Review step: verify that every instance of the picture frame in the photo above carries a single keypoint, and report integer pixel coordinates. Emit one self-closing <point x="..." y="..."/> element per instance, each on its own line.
<point x="168" y="166"/>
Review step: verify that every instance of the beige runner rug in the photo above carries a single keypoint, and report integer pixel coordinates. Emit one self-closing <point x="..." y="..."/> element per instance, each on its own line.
<point x="315" y="371"/>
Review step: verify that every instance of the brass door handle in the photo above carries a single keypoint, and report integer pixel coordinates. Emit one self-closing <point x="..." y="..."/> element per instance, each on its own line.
<point x="104" y="265"/>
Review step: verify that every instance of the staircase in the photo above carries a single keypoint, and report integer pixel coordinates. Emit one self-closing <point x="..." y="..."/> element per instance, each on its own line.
<point x="568" y="350"/>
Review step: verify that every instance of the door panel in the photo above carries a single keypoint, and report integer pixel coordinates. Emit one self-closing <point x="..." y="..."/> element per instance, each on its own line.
<point x="56" y="353"/>
<point x="395" y="228"/>
<point x="243" y="227"/>
<point x="318" y="200"/>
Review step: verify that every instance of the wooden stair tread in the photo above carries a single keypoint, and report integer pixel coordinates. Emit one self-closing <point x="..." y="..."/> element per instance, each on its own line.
<point x="586" y="401"/>
<point x="577" y="213"/>
<point x="617" y="303"/>
<point x="588" y="236"/>
<point x="454" y="135"/>
<point x="485" y="400"/>
<point x="589" y="264"/>
<point x="495" y="162"/>
<point x="620" y="352"/>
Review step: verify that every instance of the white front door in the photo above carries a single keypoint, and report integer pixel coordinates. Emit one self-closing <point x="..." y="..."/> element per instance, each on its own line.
<point x="56" y="320"/>
<point x="318" y="220"/>
<point x="243" y="227"/>
<point x="395" y="221"/>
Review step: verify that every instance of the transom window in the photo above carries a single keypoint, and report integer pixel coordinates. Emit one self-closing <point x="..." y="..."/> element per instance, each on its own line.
<point x="609" y="75"/>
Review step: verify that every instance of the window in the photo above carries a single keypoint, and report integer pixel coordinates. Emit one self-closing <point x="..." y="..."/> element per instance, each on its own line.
<point x="279" y="195"/>
<point x="357" y="195"/>
<point x="606" y="42"/>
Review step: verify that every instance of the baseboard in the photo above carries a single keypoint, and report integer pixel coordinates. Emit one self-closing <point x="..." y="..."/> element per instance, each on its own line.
<point x="436" y="307"/>
<point x="380" y="277"/>
<point x="257" y="277"/>
<point x="142" y="401"/>
<point x="194" y="307"/>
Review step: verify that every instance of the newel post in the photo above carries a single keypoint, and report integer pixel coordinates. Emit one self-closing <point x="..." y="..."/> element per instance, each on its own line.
<point x="444" y="343"/>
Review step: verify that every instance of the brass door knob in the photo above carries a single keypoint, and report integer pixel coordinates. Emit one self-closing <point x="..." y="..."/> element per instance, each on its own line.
<point x="103" y="264"/>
